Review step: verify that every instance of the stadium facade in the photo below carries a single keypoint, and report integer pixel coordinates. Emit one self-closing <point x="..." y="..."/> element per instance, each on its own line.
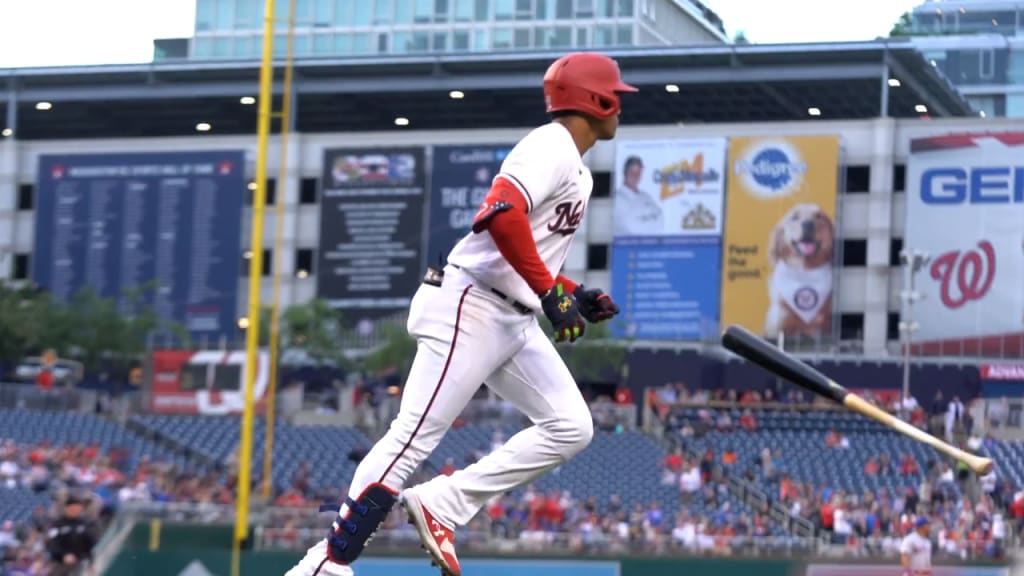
<point x="874" y="98"/>
<point x="979" y="45"/>
<point x="233" y="29"/>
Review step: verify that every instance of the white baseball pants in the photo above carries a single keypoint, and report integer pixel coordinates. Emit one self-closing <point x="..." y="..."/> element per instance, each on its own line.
<point x="469" y="336"/>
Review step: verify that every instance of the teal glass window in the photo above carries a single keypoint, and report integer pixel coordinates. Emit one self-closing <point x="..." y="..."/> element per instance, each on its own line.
<point x="463" y="11"/>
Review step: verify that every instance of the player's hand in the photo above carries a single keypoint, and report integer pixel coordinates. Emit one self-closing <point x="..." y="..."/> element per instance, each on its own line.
<point x="562" y="310"/>
<point x="595" y="305"/>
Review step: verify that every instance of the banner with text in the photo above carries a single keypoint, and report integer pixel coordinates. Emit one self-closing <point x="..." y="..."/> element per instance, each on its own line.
<point x="780" y="235"/>
<point x="170" y="222"/>
<point x="667" y="230"/>
<point x="459" y="181"/>
<point x="371" y="230"/>
<point x="965" y="209"/>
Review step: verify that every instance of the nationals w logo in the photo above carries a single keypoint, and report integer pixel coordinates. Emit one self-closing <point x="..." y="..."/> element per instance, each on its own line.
<point x="965" y="276"/>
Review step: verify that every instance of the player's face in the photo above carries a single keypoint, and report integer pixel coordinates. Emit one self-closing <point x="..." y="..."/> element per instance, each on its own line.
<point x="605" y="128"/>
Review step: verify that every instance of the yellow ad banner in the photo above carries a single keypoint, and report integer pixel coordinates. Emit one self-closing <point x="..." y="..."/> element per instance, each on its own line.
<point x="780" y="234"/>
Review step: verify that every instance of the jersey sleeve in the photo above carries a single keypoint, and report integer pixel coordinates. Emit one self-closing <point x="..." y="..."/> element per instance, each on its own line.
<point x="536" y="168"/>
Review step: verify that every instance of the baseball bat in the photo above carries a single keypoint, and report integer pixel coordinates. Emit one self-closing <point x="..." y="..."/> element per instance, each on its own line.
<point x="771" y="358"/>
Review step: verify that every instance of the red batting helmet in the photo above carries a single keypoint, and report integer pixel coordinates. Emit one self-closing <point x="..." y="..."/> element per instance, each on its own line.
<point x="584" y="82"/>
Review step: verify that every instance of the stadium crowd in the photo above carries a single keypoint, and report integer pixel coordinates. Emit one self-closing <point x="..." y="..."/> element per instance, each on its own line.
<point x="87" y="485"/>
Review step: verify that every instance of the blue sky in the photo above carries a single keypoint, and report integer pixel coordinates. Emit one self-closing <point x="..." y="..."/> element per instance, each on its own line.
<point x="79" y="32"/>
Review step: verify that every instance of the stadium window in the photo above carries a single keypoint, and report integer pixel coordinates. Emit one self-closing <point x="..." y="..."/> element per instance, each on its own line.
<point x="602" y="185"/>
<point x="26" y="196"/>
<point x="19" y="267"/>
<point x="307" y="191"/>
<point x="625" y="8"/>
<point x="267" y="264"/>
<point x="597" y="257"/>
<point x="858" y="179"/>
<point x="461" y="40"/>
<point x="624" y="35"/>
<point x="441" y="10"/>
<point x="522" y="38"/>
<point x="892" y="326"/>
<point x="304" y="261"/>
<point x="895" y="247"/>
<point x="855" y="252"/>
<point x="851" y="326"/>
<point x="271" y="194"/>
<point x="899" y="177"/>
<point x="382" y="43"/>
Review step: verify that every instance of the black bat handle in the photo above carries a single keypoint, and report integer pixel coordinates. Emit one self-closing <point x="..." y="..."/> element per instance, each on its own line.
<point x="771" y="358"/>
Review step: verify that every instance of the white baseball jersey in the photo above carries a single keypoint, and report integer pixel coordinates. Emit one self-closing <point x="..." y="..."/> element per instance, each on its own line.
<point x="547" y="169"/>
<point x="919" y="549"/>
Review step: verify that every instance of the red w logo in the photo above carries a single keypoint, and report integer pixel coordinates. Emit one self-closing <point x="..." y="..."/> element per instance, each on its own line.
<point x="973" y="271"/>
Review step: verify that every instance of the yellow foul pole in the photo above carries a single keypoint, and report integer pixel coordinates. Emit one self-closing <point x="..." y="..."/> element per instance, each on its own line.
<point x="275" y="312"/>
<point x="255" y="272"/>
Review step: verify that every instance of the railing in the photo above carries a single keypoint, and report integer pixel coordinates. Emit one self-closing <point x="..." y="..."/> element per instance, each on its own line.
<point x="562" y="543"/>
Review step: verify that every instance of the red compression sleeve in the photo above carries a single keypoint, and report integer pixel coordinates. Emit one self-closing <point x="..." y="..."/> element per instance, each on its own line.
<point x="569" y="285"/>
<point x="514" y="238"/>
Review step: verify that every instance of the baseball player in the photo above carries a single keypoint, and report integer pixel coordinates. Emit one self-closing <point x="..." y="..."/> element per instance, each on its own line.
<point x="475" y="322"/>
<point x="916" y="550"/>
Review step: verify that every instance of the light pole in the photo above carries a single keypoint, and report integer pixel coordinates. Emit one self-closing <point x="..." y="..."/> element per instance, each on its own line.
<point x="913" y="262"/>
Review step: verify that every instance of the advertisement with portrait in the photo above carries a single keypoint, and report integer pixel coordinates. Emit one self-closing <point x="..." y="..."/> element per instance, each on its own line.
<point x="667" y="230"/>
<point x="965" y="212"/>
<point x="780" y="235"/>
<point x="459" y="181"/>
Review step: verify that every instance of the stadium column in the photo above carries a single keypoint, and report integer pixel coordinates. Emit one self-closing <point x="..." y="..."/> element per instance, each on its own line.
<point x="876" y="301"/>
<point x="9" y="185"/>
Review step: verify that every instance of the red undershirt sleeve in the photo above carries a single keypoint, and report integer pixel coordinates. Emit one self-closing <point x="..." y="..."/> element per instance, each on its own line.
<point x="569" y="285"/>
<point x="513" y="237"/>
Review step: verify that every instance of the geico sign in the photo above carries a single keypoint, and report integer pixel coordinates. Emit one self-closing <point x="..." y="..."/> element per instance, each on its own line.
<point x="989" y="185"/>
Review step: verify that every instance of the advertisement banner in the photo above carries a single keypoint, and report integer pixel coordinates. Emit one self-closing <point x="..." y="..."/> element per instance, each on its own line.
<point x="669" y="187"/>
<point x="667" y="227"/>
<point x="460" y="178"/>
<point x="207" y="382"/>
<point x="168" y="221"/>
<point x="780" y="235"/>
<point x="965" y="210"/>
<point x="371" y="230"/>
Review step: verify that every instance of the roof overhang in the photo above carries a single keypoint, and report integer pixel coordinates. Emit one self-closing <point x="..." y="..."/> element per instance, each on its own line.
<point x="733" y="83"/>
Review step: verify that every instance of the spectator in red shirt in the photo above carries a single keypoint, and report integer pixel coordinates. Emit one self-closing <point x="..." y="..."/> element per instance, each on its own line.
<point x="449" y="467"/>
<point x="674" y="461"/>
<point x="871" y="466"/>
<point x="908" y="466"/>
<point x="747" y="421"/>
<point x="827" y="516"/>
<point x="45" y="379"/>
<point x="623" y="395"/>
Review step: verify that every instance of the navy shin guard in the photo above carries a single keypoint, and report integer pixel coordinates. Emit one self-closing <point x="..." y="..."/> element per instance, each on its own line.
<point x="350" y="533"/>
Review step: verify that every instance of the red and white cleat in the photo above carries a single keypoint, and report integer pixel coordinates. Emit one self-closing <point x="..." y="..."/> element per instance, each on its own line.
<point x="438" y="539"/>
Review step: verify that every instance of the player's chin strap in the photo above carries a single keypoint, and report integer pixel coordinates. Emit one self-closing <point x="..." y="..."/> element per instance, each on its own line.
<point x="352" y="531"/>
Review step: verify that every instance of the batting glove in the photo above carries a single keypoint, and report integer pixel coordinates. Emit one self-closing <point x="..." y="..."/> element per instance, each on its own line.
<point x="595" y="305"/>
<point x="562" y="310"/>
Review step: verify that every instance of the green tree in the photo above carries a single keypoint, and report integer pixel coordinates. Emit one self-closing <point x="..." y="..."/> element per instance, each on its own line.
<point x="740" y="38"/>
<point x="316" y="328"/>
<point x="903" y="27"/>
<point x="596" y="356"/>
<point x="396" y="352"/>
<point x="27" y="319"/>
